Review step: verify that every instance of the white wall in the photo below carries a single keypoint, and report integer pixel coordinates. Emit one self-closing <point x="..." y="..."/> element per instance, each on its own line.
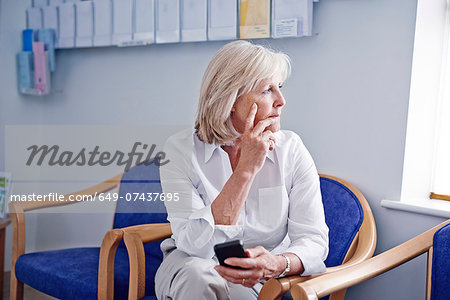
<point x="347" y="98"/>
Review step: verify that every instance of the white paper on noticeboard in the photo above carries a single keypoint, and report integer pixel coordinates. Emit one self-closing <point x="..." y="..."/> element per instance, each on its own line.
<point x="122" y="21"/>
<point x="85" y="23"/>
<point x="55" y="2"/>
<point x="50" y="17"/>
<point x="222" y="16"/>
<point x="144" y="21"/>
<point x="291" y="18"/>
<point x="50" y="20"/>
<point x="66" y="18"/>
<point x="167" y="21"/>
<point x="34" y="18"/>
<point x="39" y="3"/>
<point x="102" y="23"/>
<point x="193" y="20"/>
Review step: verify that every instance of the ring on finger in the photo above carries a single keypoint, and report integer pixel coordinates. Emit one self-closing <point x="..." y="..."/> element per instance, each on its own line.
<point x="243" y="281"/>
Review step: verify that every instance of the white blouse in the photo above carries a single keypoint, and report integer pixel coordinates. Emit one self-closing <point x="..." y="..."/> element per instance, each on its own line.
<point x="283" y="211"/>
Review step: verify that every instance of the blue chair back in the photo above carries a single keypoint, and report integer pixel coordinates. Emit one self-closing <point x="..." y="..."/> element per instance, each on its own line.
<point x="440" y="274"/>
<point x="343" y="215"/>
<point x="139" y="199"/>
<point x="139" y="202"/>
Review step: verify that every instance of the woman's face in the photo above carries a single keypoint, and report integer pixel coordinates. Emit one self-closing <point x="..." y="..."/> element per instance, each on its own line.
<point x="268" y="98"/>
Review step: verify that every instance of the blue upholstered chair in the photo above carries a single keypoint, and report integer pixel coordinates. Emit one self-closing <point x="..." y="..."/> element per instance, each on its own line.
<point x="435" y="241"/>
<point x="440" y="272"/>
<point x="90" y="273"/>
<point x="352" y="240"/>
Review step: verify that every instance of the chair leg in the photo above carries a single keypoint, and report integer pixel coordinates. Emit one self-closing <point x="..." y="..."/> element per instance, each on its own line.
<point x="339" y="295"/>
<point x="15" y="287"/>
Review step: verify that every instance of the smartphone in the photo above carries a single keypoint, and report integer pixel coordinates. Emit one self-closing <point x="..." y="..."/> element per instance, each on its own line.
<point x="229" y="249"/>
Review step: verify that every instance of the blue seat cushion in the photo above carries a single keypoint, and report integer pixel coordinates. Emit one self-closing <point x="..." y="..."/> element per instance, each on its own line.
<point x="73" y="273"/>
<point x="440" y="275"/>
<point x="343" y="215"/>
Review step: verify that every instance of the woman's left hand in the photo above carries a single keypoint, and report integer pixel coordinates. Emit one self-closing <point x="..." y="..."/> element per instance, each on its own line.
<point x="260" y="265"/>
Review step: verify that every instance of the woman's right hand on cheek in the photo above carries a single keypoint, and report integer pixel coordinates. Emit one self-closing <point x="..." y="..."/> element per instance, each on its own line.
<point x="254" y="143"/>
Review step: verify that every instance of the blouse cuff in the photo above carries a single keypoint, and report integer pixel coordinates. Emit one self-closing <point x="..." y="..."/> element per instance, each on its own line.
<point x="205" y="213"/>
<point x="312" y="263"/>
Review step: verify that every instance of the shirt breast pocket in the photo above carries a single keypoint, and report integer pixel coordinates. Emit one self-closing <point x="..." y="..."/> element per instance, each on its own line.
<point x="273" y="205"/>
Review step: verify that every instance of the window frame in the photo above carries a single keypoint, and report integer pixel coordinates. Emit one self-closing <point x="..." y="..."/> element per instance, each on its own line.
<point x="430" y="47"/>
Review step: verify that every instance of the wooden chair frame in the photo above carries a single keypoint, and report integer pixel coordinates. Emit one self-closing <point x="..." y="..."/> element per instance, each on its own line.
<point x="330" y="283"/>
<point x="107" y="250"/>
<point x="362" y="248"/>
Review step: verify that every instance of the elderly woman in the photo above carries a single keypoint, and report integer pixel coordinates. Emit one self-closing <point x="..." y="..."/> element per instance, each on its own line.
<point x="238" y="176"/>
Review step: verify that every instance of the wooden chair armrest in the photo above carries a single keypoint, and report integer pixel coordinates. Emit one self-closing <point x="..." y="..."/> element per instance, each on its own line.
<point x="135" y="237"/>
<point x="108" y="250"/>
<point x="329" y="283"/>
<point x="150" y="232"/>
<point x="276" y="287"/>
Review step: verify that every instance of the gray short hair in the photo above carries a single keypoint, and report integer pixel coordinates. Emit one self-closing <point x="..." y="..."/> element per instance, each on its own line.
<point x="237" y="68"/>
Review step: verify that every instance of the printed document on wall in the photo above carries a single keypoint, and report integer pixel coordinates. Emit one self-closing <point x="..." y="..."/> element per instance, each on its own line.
<point x="291" y="18"/>
<point x="39" y="3"/>
<point x="168" y="21"/>
<point x="102" y="23"/>
<point x="144" y="21"/>
<point x="85" y="23"/>
<point x="193" y="20"/>
<point x="66" y="15"/>
<point x="255" y="19"/>
<point x="122" y="21"/>
<point x="34" y="18"/>
<point x="50" y="20"/>
<point x="222" y="19"/>
<point x="50" y="17"/>
<point x="55" y="2"/>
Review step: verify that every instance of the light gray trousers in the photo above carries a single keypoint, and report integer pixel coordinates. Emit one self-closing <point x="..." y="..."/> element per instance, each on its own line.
<point x="184" y="277"/>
